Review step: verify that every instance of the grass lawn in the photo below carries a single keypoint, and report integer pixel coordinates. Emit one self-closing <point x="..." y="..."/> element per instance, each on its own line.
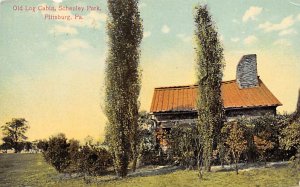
<point x="31" y="170"/>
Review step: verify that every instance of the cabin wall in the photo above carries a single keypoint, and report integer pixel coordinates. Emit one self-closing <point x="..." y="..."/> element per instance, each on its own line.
<point x="229" y="113"/>
<point x="173" y="116"/>
<point x="249" y="112"/>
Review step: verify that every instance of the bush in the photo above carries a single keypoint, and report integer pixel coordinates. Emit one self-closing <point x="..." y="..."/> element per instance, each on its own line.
<point x="235" y="141"/>
<point x="148" y="148"/>
<point x="263" y="135"/>
<point x="94" y="160"/>
<point x="42" y="145"/>
<point x="57" y="153"/>
<point x="74" y="153"/>
<point x="185" y="145"/>
<point x="69" y="156"/>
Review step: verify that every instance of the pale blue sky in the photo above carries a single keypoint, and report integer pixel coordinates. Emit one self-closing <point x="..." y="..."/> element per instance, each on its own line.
<point x="51" y="72"/>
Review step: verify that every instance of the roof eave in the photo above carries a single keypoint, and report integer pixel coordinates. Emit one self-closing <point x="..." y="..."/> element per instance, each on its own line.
<point x="227" y="108"/>
<point x="249" y="107"/>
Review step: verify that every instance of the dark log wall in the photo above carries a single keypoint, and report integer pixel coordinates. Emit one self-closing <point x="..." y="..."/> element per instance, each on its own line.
<point x="250" y="112"/>
<point x="229" y="113"/>
<point x="175" y="116"/>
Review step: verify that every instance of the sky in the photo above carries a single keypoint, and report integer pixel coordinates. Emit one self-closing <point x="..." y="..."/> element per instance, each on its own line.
<point x="52" y="71"/>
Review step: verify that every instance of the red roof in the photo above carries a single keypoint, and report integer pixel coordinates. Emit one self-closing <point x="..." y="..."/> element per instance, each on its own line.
<point x="183" y="98"/>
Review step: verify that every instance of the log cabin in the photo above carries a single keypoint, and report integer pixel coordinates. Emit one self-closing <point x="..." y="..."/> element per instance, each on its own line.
<point x="245" y="96"/>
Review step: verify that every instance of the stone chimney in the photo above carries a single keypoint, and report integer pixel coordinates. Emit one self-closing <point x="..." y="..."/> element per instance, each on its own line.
<point x="246" y="72"/>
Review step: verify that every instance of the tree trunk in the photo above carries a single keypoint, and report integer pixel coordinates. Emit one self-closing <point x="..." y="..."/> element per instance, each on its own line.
<point x="199" y="166"/>
<point x="236" y="163"/>
<point x="134" y="164"/>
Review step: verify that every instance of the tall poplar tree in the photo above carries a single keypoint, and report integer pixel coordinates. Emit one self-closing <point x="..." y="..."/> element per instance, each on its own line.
<point x="209" y="64"/>
<point x="123" y="81"/>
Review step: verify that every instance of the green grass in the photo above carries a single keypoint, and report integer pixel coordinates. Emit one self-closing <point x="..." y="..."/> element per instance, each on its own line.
<point x="31" y="170"/>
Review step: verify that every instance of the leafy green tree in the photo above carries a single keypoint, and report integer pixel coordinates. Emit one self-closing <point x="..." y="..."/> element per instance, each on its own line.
<point x="290" y="140"/>
<point x="14" y="133"/>
<point x="27" y="146"/>
<point x="144" y="136"/>
<point x="290" y="136"/>
<point x="42" y="145"/>
<point x="185" y="144"/>
<point x="123" y="81"/>
<point x="268" y="128"/>
<point x="7" y="144"/>
<point x="57" y="153"/>
<point x="73" y="150"/>
<point x="210" y="64"/>
<point x="235" y="141"/>
<point x="296" y="115"/>
<point x="262" y="145"/>
<point x="93" y="160"/>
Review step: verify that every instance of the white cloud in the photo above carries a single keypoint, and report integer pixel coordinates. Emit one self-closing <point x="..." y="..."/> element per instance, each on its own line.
<point x="165" y="29"/>
<point x="59" y="29"/>
<point x="284" y="24"/>
<point x="252" y="13"/>
<point x="235" y="39"/>
<point x="147" y="34"/>
<point x="298" y="17"/>
<point x="287" y="32"/>
<point x="282" y="42"/>
<point x="72" y="45"/>
<point x="250" y="40"/>
<point x="184" y="37"/>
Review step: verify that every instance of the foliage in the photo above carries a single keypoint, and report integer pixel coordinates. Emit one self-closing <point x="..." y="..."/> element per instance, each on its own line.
<point x="291" y="136"/>
<point x="122" y="80"/>
<point x="210" y="65"/>
<point x="57" y="153"/>
<point x="68" y="156"/>
<point x="7" y="143"/>
<point x="148" y="150"/>
<point x="235" y="141"/>
<point x="262" y="145"/>
<point x="296" y="160"/>
<point x="222" y="152"/>
<point x="27" y="146"/>
<point x="266" y="133"/>
<point x="146" y="139"/>
<point x="14" y="134"/>
<point x="88" y="140"/>
<point x="185" y="144"/>
<point x="74" y="152"/>
<point x="93" y="160"/>
<point x="265" y="130"/>
<point x="296" y="114"/>
<point x="42" y="145"/>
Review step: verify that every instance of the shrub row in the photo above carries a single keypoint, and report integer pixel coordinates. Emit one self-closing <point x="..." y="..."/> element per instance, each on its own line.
<point x="267" y="138"/>
<point x="68" y="156"/>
